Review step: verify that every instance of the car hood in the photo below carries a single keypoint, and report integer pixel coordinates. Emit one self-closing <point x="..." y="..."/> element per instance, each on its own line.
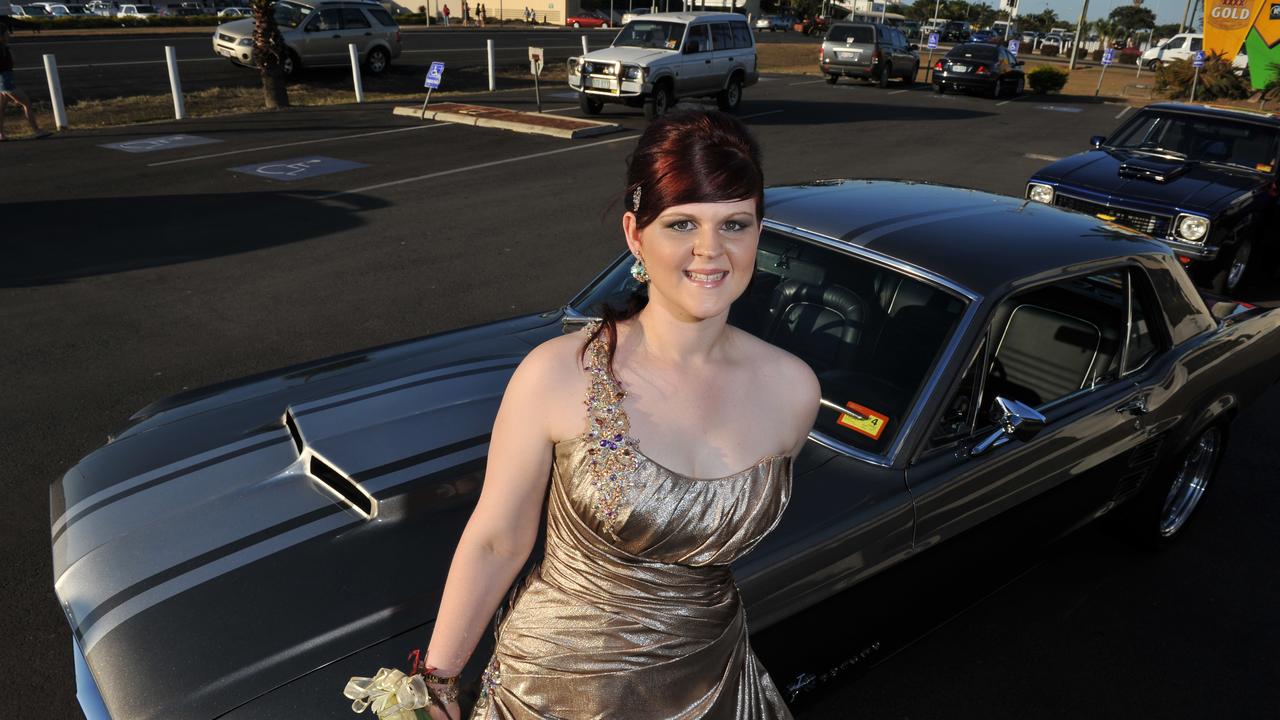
<point x="236" y="538"/>
<point x="630" y="55"/>
<point x="239" y="28"/>
<point x="1137" y="176"/>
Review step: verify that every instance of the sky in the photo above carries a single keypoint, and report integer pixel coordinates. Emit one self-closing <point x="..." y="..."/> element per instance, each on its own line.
<point x="1167" y="11"/>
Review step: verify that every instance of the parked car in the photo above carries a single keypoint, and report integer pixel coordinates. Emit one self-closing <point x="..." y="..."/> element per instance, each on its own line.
<point x="663" y="57"/>
<point x="585" y="20"/>
<point x="317" y="32"/>
<point x="774" y="23"/>
<point x="1184" y="46"/>
<point x="1058" y="368"/>
<point x="956" y="31"/>
<point x="138" y="12"/>
<point x="62" y="10"/>
<point x="1200" y="178"/>
<point x="235" y="12"/>
<point x="986" y="36"/>
<point x="870" y="51"/>
<point x="1030" y="39"/>
<point x="934" y="25"/>
<point x="633" y="14"/>
<point x="981" y="67"/>
<point x="28" y="11"/>
<point x="191" y="11"/>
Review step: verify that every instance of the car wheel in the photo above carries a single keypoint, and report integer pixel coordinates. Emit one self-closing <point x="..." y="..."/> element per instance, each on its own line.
<point x="910" y="80"/>
<point x="1231" y="271"/>
<point x="997" y="90"/>
<point x="378" y="60"/>
<point x="289" y="64"/>
<point x="939" y="88"/>
<point x="730" y="98"/>
<point x="1021" y="87"/>
<point x="831" y="79"/>
<point x="885" y="71"/>
<point x="590" y="105"/>
<point x="605" y="26"/>
<point x="1160" y="511"/>
<point x="659" y="103"/>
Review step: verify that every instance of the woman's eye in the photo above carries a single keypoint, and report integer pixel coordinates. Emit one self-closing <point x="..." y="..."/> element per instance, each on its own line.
<point x="682" y="225"/>
<point x="734" y="226"/>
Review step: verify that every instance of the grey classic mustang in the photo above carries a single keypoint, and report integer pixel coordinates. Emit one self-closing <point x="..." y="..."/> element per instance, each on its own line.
<point x="239" y="551"/>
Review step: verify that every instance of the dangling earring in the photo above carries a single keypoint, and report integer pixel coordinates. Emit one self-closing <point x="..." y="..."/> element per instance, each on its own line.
<point x="638" y="272"/>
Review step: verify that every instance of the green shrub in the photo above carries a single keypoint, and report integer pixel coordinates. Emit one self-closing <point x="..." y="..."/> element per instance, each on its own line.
<point x="1044" y="80"/>
<point x="97" y="21"/>
<point x="1218" y="80"/>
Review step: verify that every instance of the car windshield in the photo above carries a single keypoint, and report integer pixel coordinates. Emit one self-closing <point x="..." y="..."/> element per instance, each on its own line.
<point x="650" y="34"/>
<point x="291" y="15"/>
<point x="871" y="333"/>
<point x="146" y="8"/>
<point x="974" y="51"/>
<point x="852" y="34"/>
<point x="1203" y="139"/>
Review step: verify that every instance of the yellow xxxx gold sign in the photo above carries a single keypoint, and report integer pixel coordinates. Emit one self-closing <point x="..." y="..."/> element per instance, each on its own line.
<point x="1226" y="23"/>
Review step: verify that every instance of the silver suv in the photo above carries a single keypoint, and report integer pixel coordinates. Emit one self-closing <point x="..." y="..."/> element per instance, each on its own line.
<point x="870" y="51"/>
<point x="317" y="32"/>
<point x="661" y="57"/>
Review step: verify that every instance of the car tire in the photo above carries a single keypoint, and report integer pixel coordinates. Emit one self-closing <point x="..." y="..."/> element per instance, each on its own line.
<point x="590" y="105"/>
<point x="1230" y="273"/>
<point x="939" y="88"/>
<point x="1020" y="88"/>
<point x="377" y="61"/>
<point x="910" y="80"/>
<point x="657" y="105"/>
<point x="1159" y="513"/>
<point x="997" y="90"/>
<point x="831" y="79"/>
<point x="886" y="71"/>
<point x="605" y="26"/>
<point x="730" y="97"/>
<point x="290" y="64"/>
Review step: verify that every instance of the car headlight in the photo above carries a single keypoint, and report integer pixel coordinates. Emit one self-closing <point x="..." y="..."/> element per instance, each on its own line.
<point x="633" y="72"/>
<point x="1040" y="192"/>
<point x="245" y="42"/>
<point x="573" y="65"/>
<point x="1192" y="228"/>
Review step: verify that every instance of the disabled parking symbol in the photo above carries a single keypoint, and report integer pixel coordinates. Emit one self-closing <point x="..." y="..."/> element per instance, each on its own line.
<point x="297" y="168"/>
<point x="165" y="142"/>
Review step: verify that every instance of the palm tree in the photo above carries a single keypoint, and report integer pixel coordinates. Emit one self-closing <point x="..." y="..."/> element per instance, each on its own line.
<point x="270" y="53"/>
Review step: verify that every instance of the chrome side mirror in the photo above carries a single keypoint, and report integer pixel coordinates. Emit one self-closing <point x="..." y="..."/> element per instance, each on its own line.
<point x="1014" y="420"/>
<point x="1097" y="140"/>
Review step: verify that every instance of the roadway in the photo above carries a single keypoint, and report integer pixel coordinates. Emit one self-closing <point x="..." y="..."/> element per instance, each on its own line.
<point x="131" y="276"/>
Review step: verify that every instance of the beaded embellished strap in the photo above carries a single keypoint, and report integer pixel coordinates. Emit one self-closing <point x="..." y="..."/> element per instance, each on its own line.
<point x="612" y="456"/>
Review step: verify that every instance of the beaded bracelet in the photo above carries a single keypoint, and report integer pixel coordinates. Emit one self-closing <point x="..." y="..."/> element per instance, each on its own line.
<point x="448" y="693"/>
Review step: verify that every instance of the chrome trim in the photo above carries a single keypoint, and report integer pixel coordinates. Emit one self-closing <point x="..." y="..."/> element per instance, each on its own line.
<point x="1058" y="193"/>
<point x="1196" y="251"/>
<point x="87" y="693"/>
<point x="973" y="301"/>
<point x="1177" y="220"/>
<point x="1097" y="331"/>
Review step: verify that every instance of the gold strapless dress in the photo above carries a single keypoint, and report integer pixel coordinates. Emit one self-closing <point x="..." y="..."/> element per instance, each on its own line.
<point x="633" y="612"/>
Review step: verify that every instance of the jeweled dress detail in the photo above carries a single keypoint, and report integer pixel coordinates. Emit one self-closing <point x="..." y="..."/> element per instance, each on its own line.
<point x="633" y="612"/>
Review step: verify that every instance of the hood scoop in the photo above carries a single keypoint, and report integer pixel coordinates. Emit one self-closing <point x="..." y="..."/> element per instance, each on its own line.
<point x="327" y="475"/>
<point x="1153" y="169"/>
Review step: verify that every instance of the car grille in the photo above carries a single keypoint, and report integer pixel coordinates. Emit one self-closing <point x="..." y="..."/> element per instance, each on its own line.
<point x="1156" y="225"/>
<point x="226" y="39"/>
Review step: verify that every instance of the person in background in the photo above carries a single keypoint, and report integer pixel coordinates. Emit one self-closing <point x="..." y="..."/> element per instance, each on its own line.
<point x="446" y="15"/>
<point x="9" y="90"/>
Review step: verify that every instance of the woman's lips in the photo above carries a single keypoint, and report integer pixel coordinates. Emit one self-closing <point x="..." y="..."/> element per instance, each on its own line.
<point x="706" y="278"/>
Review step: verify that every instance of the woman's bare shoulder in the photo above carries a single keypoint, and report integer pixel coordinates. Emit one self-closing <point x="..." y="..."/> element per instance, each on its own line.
<point x="789" y="382"/>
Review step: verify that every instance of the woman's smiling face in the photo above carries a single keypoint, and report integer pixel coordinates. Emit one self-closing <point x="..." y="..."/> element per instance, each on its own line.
<point x="699" y="256"/>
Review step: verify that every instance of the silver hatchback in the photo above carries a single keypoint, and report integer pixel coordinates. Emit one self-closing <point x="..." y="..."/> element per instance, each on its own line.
<point x="317" y="32"/>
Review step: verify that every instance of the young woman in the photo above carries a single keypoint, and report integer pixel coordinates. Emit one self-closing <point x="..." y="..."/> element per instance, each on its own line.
<point x="667" y="438"/>
<point x="9" y="90"/>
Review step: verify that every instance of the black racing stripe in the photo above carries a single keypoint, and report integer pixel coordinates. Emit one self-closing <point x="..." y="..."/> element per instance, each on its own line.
<point x="421" y="457"/>
<point x="853" y="235"/>
<point x="204" y="558"/>
<point x="398" y="388"/>
<point x="166" y="478"/>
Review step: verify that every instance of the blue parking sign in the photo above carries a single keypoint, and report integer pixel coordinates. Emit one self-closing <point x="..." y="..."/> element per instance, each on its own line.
<point x="433" y="75"/>
<point x="1108" y="56"/>
<point x="1014" y="46"/>
<point x="933" y="41"/>
<point x="1198" y="60"/>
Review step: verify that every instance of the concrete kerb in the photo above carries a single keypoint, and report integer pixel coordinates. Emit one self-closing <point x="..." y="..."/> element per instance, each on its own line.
<point x="515" y="121"/>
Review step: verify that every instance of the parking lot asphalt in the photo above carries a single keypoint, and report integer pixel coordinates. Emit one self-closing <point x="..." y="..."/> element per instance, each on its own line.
<point x="128" y="276"/>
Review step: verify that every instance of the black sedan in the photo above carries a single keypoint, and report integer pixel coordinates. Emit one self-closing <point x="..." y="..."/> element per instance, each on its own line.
<point x="240" y="551"/>
<point x="979" y="67"/>
<point x="1201" y="178"/>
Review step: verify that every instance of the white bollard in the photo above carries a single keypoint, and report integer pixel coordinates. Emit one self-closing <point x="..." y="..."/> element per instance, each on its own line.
<point x="175" y="83"/>
<point x="55" y="92"/>
<point x="493" y="81"/>
<point x="584" y="45"/>
<point x="355" y="71"/>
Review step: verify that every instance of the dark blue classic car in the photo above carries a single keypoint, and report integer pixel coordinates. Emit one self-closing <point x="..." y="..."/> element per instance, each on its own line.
<point x="1201" y="178"/>
<point x="240" y="551"/>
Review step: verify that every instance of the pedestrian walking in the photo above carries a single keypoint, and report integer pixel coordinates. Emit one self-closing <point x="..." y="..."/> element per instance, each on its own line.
<point x="9" y="90"/>
<point x="481" y="14"/>
<point x="466" y="13"/>
<point x="446" y="15"/>
<point x="526" y="15"/>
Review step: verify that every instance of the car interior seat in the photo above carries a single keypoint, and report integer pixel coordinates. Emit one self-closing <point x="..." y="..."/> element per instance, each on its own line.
<point x="823" y="325"/>
<point x="1043" y="355"/>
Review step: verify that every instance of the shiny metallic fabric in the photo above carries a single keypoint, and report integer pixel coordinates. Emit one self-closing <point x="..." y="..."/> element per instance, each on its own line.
<point x="647" y="624"/>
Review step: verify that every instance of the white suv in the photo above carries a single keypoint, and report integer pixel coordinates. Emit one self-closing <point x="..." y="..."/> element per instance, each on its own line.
<point x="1184" y="46"/>
<point x="317" y="32"/>
<point x="661" y="57"/>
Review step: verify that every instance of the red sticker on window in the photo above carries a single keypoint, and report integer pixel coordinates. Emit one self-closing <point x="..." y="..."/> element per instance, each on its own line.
<point x="867" y="421"/>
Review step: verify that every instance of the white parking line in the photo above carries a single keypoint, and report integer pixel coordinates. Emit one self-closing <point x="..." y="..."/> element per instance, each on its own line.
<point x="899" y="92"/>
<point x="295" y="144"/>
<point x="1038" y="156"/>
<point x="496" y="49"/>
<point x="119" y="64"/>
<point x="806" y="82"/>
<point x="1122" y="112"/>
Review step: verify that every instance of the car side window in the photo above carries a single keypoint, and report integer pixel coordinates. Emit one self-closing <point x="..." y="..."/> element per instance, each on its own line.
<point x="741" y="35"/>
<point x="958" y="416"/>
<point x="382" y="16"/>
<point x="699" y="39"/>
<point x="1175" y="43"/>
<point x="330" y="19"/>
<point x="353" y="19"/>
<point x="721" y="36"/>
<point x="1197" y="44"/>
<point x="1059" y="339"/>
<point x="1145" y="338"/>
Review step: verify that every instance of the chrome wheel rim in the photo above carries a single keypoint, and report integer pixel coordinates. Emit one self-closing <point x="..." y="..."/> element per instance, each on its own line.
<point x="377" y="62"/>
<point x="735" y="94"/>
<point x="1238" y="265"/>
<point x="660" y="102"/>
<point x="1189" y="486"/>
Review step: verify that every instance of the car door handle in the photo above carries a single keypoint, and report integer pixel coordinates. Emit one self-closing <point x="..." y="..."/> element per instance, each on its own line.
<point x="707" y="62"/>
<point x="1136" y="406"/>
<point x="335" y="37"/>
<point x="368" y="34"/>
